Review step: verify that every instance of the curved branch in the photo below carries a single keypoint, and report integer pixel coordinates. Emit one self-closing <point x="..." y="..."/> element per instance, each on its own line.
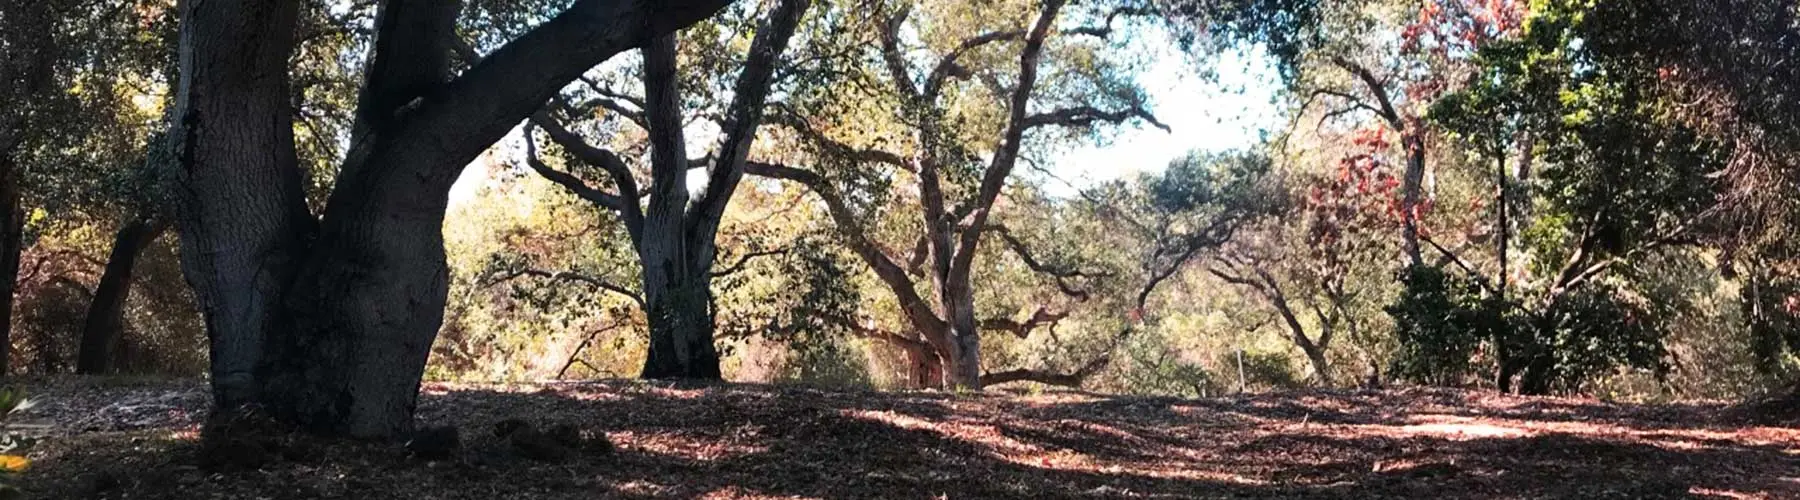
<point x="630" y="210"/>
<point x="1060" y="274"/>
<point x="1007" y="155"/>
<point x="891" y="56"/>
<point x="590" y="280"/>
<point x="849" y="225"/>
<point x="947" y="66"/>
<point x="635" y="116"/>
<point x="745" y="113"/>
<point x="466" y="115"/>
<point x="790" y="119"/>
<point x="1387" y="111"/>
<point x="568" y="181"/>
<point x="1087" y="115"/>
<point x="1042" y="317"/>
<point x="745" y="259"/>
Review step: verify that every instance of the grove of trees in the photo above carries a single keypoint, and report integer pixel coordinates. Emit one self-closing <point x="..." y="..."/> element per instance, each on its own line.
<point x="1546" y="197"/>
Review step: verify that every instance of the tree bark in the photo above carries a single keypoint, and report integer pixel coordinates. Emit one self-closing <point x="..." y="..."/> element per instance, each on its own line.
<point x="12" y="241"/>
<point x="1411" y="186"/>
<point x="240" y="209"/>
<point x="681" y="330"/>
<point x="330" y="329"/>
<point x="104" y="327"/>
<point x="925" y="369"/>
<point x="965" y="335"/>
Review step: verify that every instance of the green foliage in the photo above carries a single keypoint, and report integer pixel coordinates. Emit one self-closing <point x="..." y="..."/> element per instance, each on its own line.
<point x="1263" y="370"/>
<point x="1444" y="321"/>
<point x="1771" y="307"/>
<point x="1287" y="28"/>
<point x="1440" y="322"/>
<point x="1590" y="333"/>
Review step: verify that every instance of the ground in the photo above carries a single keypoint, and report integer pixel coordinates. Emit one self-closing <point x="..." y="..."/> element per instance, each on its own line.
<point x="137" y="440"/>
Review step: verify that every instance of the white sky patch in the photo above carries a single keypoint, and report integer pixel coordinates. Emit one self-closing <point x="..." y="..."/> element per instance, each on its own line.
<point x="1230" y="111"/>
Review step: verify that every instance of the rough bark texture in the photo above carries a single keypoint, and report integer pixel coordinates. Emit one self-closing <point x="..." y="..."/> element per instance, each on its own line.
<point x="12" y="240"/>
<point x="104" y="328"/>
<point x="27" y="77"/>
<point x="239" y="207"/>
<point x="330" y="328"/>
<point x="1411" y="187"/>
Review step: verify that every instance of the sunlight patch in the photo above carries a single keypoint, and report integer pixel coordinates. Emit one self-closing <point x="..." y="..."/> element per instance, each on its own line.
<point x="1459" y="431"/>
<point x="695" y="448"/>
<point x="1734" y="495"/>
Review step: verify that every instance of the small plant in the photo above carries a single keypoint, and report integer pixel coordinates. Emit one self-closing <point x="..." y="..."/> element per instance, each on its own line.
<point x="12" y="445"/>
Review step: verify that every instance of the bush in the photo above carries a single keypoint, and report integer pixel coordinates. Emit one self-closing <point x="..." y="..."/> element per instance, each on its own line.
<point x="1440" y="322"/>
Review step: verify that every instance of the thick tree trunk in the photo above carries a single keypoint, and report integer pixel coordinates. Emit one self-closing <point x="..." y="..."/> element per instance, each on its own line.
<point x="1320" y="367"/>
<point x="331" y="329"/>
<point x="965" y="337"/>
<point x="680" y="313"/>
<point x="367" y="306"/>
<point x="240" y="211"/>
<point x="925" y="369"/>
<point x="102" y="332"/>
<point x="12" y="241"/>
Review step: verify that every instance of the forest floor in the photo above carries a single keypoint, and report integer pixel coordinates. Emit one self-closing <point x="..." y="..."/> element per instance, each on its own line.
<point x="110" y="439"/>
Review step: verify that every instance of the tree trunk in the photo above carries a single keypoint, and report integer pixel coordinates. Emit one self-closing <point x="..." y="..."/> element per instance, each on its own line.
<point x="680" y="313"/>
<point x="925" y="369"/>
<point x="102" y="333"/>
<point x="1505" y="368"/>
<point x="367" y="306"/>
<point x="965" y="336"/>
<point x="1320" y="367"/>
<point x="12" y="241"/>
<point x="331" y="329"/>
<point x="1410" y="193"/>
<point x="240" y="211"/>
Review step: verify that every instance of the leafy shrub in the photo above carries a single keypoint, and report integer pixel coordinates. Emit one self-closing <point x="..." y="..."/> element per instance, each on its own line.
<point x="1440" y="321"/>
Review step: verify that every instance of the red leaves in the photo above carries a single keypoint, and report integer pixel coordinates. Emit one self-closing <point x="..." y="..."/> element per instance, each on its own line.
<point x="1364" y="196"/>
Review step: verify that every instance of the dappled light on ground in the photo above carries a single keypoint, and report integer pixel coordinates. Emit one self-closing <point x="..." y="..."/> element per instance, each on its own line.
<point x="749" y="441"/>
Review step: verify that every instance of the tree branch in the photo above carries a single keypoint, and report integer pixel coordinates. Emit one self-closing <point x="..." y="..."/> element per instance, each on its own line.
<point x="1087" y="115"/>
<point x="1060" y="274"/>
<point x="891" y="56"/>
<point x="1007" y="155"/>
<point x="744" y="114"/>
<point x="593" y="281"/>
<point x="849" y="225"/>
<point x="1387" y="111"/>
<point x="629" y="206"/>
<point x="745" y="259"/>
<point x="947" y="66"/>
<point x="568" y="181"/>
<point x="1022" y="329"/>
<point x="790" y="119"/>
<point x="459" y="121"/>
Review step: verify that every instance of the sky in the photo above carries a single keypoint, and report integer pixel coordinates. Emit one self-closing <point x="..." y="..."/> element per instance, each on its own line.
<point x="1228" y="111"/>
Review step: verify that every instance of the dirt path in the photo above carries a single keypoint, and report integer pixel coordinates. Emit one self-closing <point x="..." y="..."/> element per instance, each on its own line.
<point x="740" y="441"/>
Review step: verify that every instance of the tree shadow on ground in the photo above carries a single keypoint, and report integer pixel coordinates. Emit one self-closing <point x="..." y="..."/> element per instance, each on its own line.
<point x="749" y="441"/>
